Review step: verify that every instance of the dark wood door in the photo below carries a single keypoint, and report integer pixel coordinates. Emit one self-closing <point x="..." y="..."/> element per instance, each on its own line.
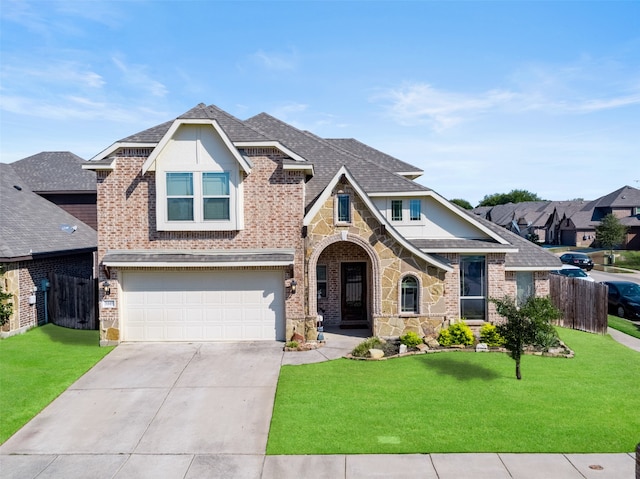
<point x="354" y="292"/>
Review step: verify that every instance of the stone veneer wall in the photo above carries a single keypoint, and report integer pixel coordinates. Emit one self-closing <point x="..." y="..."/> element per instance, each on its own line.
<point x="273" y="210"/>
<point x="23" y="276"/>
<point x="388" y="261"/>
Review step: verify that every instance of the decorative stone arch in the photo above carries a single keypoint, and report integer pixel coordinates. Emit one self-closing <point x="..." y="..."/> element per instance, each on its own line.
<point x="376" y="287"/>
<point x="418" y="279"/>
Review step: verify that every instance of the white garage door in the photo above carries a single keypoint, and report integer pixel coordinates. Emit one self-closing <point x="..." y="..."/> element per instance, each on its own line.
<point x="203" y="305"/>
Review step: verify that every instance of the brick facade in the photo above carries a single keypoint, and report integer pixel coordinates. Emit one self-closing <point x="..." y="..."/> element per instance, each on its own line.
<point x="127" y="221"/>
<point x="23" y="276"/>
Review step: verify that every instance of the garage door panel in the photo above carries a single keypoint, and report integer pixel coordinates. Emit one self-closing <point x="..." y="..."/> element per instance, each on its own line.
<point x="202" y="306"/>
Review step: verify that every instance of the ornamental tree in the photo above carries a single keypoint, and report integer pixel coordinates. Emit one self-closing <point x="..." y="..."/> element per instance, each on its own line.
<point x="610" y="232"/>
<point x="524" y="323"/>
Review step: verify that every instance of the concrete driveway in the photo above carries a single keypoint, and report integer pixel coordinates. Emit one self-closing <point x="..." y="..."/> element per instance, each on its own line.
<point x="155" y="400"/>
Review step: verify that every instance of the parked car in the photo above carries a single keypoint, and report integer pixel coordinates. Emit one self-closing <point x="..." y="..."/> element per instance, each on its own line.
<point x="577" y="259"/>
<point x="624" y="298"/>
<point x="573" y="272"/>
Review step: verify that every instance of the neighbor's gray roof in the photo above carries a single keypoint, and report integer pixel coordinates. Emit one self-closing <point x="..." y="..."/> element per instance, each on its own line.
<point x="327" y="159"/>
<point x="435" y="245"/>
<point x="31" y="225"/>
<point x="55" y="171"/>
<point x="529" y="255"/>
<point x="621" y="198"/>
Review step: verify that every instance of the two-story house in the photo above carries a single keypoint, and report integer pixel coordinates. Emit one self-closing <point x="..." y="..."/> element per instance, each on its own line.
<point x="214" y="228"/>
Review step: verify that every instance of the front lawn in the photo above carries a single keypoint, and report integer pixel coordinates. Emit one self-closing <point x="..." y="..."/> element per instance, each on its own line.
<point x="36" y="367"/>
<point x="624" y="325"/>
<point x="463" y="402"/>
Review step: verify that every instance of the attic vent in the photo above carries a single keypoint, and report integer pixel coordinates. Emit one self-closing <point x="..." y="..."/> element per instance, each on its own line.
<point x="19" y="188"/>
<point x="134" y="152"/>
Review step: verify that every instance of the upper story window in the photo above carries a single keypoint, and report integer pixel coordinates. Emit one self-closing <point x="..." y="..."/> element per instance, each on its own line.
<point x="198" y="196"/>
<point x="343" y="213"/>
<point x="198" y="201"/>
<point x="415" y="213"/>
<point x="396" y="210"/>
<point x="215" y="196"/>
<point x="409" y="295"/>
<point x="180" y="196"/>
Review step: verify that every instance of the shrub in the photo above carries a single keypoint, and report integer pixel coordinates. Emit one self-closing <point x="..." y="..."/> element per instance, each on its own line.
<point x="458" y="333"/>
<point x="411" y="339"/>
<point x="292" y="344"/>
<point x="444" y="338"/>
<point x="362" y="349"/>
<point x="489" y="334"/>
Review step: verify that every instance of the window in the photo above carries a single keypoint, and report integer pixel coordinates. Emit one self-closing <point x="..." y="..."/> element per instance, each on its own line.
<point x="321" y="280"/>
<point x="472" y="287"/>
<point x="198" y="196"/>
<point x="180" y="196"/>
<point x="409" y="295"/>
<point x="215" y="196"/>
<point x="344" y="209"/>
<point x="396" y="210"/>
<point x="524" y="286"/>
<point x="414" y="210"/>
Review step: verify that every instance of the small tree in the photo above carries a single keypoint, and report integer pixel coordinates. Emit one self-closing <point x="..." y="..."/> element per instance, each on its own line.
<point x="610" y="232"/>
<point x="525" y="323"/>
<point x="6" y="307"/>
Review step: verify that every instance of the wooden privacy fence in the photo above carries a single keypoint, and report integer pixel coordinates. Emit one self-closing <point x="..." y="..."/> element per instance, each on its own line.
<point x="583" y="303"/>
<point x="73" y="301"/>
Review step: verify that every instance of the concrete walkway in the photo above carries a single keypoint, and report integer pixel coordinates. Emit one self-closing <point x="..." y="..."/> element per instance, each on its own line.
<point x="203" y="410"/>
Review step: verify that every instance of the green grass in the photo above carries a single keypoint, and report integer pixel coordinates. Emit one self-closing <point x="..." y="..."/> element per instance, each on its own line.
<point x="36" y="367"/>
<point x="463" y="402"/>
<point x="624" y="325"/>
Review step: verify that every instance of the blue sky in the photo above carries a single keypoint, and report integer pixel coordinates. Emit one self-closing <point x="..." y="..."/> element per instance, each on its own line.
<point x="483" y="96"/>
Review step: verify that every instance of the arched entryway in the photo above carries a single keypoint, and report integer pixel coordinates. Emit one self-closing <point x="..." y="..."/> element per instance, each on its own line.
<point x="344" y="282"/>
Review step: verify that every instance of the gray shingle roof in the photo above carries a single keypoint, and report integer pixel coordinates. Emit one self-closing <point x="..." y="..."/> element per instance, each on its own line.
<point x="365" y="151"/>
<point x="621" y="198"/>
<point x="327" y="159"/>
<point x="196" y="258"/>
<point x="55" y="171"/>
<point x="457" y="243"/>
<point x="31" y="225"/>
<point x="235" y="129"/>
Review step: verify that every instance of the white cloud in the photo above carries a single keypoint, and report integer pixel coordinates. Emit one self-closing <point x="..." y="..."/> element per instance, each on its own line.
<point x="136" y="76"/>
<point x="572" y="89"/>
<point x="273" y="61"/>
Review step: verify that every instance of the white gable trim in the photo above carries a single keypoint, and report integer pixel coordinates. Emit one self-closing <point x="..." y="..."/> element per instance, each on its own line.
<point x="149" y="164"/>
<point x="326" y="193"/>
<point x="451" y="207"/>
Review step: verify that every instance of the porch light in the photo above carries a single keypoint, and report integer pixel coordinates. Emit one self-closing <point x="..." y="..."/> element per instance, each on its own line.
<point x="106" y="287"/>
<point x="294" y="283"/>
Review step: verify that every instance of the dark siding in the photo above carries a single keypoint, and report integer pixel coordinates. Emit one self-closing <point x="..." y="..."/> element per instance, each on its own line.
<point x="82" y="206"/>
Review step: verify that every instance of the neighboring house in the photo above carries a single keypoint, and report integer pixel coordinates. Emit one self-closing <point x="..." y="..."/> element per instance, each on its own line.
<point x="37" y="238"/>
<point x="58" y="177"/>
<point x="570" y="223"/>
<point x="213" y="228"/>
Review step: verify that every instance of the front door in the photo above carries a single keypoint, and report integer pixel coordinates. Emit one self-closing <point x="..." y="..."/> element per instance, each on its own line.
<point x="354" y="292"/>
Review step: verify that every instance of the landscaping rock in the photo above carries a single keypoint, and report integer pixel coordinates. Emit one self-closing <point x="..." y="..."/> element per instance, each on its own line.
<point x="422" y="347"/>
<point x="376" y="353"/>
<point x="403" y="349"/>
<point x="432" y="343"/>
<point x="482" y="347"/>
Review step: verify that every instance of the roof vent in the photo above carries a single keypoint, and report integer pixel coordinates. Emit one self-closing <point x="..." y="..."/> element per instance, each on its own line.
<point x="19" y="188"/>
<point x="68" y="228"/>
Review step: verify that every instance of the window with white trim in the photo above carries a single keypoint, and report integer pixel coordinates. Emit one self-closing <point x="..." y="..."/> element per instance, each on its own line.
<point x="409" y="295"/>
<point x="473" y="287"/>
<point x="180" y="196"/>
<point x="215" y="196"/>
<point x="396" y="210"/>
<point x="343" y="213"/>
<point x="415" y="213"/>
